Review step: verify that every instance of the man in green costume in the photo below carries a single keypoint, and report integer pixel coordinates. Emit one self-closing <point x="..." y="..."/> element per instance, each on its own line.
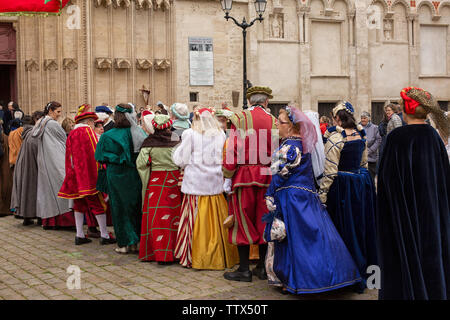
<point x="117" y="149"/>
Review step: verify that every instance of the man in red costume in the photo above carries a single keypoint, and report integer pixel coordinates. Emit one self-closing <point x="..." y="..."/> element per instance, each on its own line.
<point x="81" y="176"/>
<point x="246" y="162"/>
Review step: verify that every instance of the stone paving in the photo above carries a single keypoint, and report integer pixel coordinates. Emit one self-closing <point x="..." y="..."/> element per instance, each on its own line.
<point x="33" y="264"/>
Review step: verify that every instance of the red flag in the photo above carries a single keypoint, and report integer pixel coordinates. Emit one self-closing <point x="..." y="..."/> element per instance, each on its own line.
<point x="19" y="7"/>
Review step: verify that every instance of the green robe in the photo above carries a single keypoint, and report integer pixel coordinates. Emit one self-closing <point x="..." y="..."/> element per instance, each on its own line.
<point x="115" y="149"/>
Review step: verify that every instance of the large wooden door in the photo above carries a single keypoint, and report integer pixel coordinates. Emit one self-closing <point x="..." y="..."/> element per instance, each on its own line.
<point x="8" y="78"/>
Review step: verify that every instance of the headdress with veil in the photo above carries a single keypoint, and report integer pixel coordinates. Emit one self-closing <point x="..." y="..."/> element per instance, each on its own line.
<point x="413" y="97"/>
<point x="205" y="122"/>
<point x="307" y="129"/>
<point x="138" y="135"/>
<point x="318" y="154"/>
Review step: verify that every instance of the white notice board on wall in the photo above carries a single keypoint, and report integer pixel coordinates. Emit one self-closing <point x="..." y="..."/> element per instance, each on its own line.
<point x="201" y="61"/>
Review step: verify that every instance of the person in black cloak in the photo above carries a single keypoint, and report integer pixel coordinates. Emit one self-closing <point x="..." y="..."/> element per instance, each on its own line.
<point x="413" y="208"/>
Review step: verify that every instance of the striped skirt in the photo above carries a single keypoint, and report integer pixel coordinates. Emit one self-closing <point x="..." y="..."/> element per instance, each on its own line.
<point x="202" y="240"/>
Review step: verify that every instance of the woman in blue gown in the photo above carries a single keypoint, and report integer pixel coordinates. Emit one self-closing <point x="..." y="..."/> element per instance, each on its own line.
<point x="312" y="258"/>
<point x="348" y="189"/>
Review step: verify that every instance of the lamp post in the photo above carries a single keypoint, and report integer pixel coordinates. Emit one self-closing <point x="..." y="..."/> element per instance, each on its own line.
<point x="260" y="7"/>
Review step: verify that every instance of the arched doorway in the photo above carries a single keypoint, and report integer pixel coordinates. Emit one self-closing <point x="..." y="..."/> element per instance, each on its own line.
<point x="8" y="76"/>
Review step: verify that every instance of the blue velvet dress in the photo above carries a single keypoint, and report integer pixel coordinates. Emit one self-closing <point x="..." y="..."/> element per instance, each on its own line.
<point x="312" y="258"/>
<point x="351" y="204"/>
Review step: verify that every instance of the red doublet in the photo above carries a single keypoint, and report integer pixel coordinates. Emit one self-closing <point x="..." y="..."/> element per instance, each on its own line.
<point x="247" y="161"/>
<point x="81" y="167"/>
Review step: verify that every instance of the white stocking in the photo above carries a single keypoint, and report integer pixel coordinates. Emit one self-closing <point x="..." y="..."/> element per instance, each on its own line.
<point x="101" y="219"/>
<point x="79" y="222"/>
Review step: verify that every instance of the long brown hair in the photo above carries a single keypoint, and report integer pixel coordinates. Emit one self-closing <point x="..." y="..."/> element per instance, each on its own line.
<point x="120" y="119"/>
<point x="52" y="105"/>
<point x="347" y="119"/>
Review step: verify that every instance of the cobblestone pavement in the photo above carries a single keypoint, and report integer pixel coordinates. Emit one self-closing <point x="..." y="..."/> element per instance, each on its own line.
<point x="33" y="264"/>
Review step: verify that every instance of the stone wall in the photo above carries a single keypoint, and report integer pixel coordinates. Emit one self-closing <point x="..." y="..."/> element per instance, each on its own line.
<point x="314" y="51"/>
<point x="307" y="51"/>
<point x="121" y="46"/>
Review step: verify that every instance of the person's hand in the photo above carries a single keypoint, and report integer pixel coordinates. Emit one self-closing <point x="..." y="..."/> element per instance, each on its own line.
<point x="227" y="186"/>
<point x="270" y="204"/>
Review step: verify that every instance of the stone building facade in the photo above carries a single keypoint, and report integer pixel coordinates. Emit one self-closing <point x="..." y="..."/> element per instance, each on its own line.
<point x="311" y="52"/>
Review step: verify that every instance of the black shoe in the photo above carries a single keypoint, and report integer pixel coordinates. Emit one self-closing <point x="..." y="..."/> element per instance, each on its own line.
<point x="27" y="222"/>
<point x="79" y="241"/>
<point x="48" y="227"/>
<point x="39" y="221"/>
<point x="245" y="276"/>
<point x="260" y="273"/>
<point x="111" y="240"/>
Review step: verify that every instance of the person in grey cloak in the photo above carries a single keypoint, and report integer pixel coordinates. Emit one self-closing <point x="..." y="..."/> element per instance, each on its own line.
<point x="24" y="191"/>
<point x="54" y="212"/>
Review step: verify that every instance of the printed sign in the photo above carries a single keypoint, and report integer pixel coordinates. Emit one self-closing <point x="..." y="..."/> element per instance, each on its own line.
<point x="201" y="62"/>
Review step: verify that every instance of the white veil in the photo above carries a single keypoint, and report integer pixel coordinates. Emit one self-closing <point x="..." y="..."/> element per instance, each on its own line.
<point x="206" y="123"/>
<point x="318" y="153"/>
<point x="137" y="133"/>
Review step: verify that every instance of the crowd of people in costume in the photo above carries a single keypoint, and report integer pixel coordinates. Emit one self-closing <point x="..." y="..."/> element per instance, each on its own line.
<point x="315" y="203"/>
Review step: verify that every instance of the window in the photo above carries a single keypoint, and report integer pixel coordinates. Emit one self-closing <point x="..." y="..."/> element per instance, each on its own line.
<point x="275" y="108"/>
<point x="326" y="109"/>
<point x="377" y="112"/>
<point x="443" y="105"/>
<point x="193" y="96"/>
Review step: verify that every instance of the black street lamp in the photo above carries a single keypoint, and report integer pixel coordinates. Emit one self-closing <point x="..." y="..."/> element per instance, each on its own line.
<point x="260" y="7"/>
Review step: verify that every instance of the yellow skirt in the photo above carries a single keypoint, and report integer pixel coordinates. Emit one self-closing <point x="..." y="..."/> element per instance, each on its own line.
<point x="210" y="246"/>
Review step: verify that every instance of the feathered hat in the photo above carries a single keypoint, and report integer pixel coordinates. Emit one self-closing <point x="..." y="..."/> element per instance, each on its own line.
<point x="84" y="113"/>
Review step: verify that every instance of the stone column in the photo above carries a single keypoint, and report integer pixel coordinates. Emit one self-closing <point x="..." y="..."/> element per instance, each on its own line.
<point x="352" y="57"/>
<point x="87" y="69"/>
<point x="363" y="82"/>
<point x="305" y="59"/>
